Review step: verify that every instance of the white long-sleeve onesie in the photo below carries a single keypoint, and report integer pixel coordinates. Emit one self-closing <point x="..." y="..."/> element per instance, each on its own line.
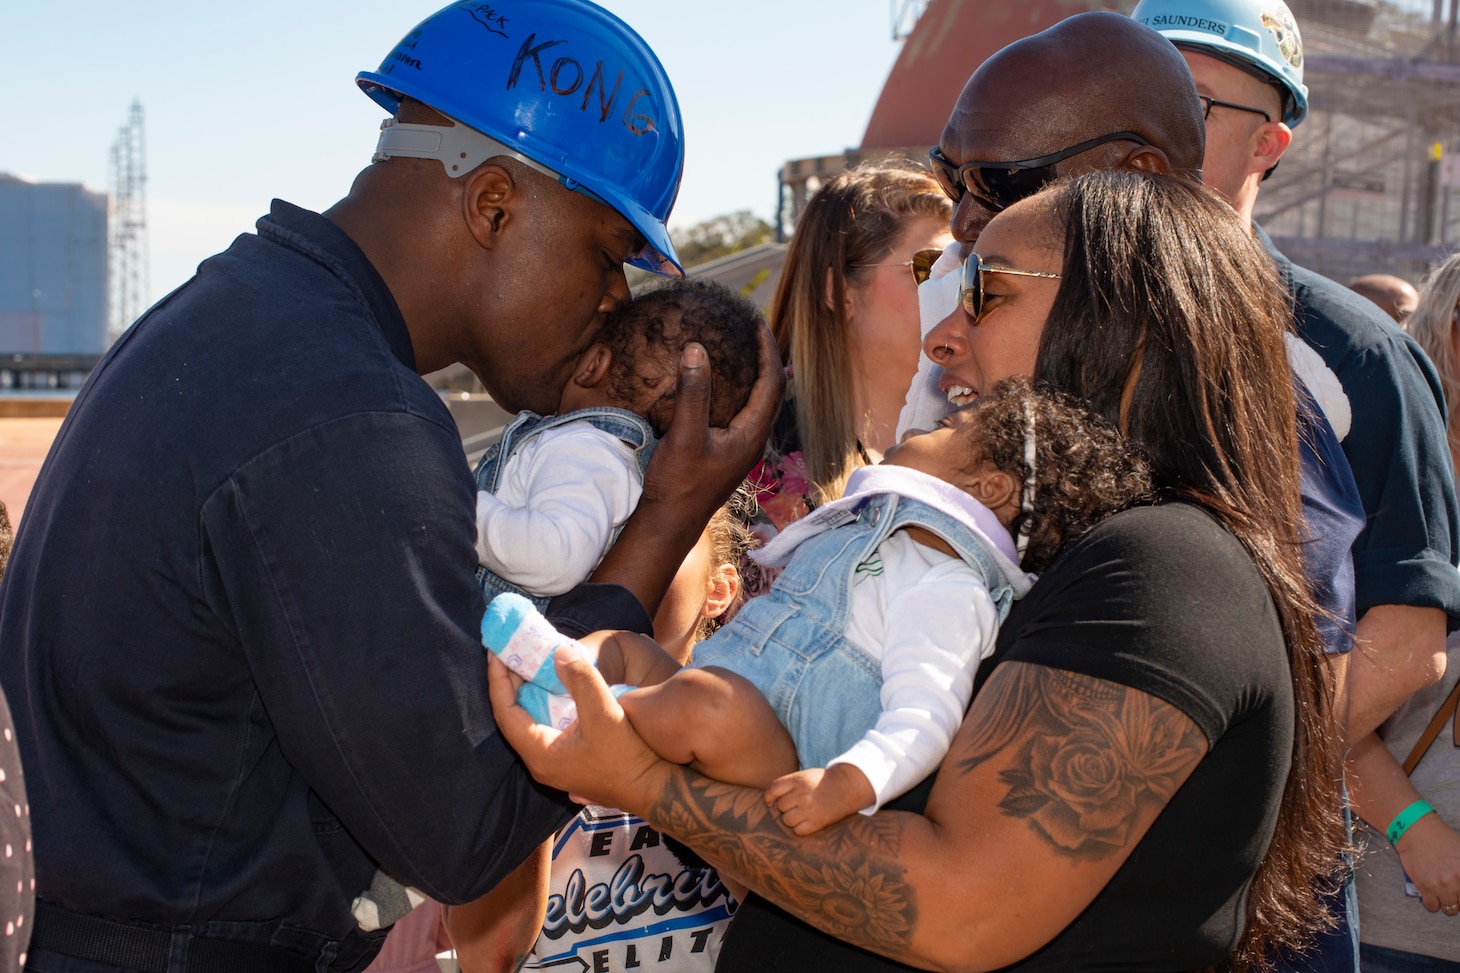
<point x="559" y="499"/>
<point x="932" y="622"/>
<point x="925" y="615"/>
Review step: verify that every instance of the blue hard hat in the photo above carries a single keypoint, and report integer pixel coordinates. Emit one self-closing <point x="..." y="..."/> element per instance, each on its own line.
<point x="1259" y="36"/>
<point x="563" y="83"/>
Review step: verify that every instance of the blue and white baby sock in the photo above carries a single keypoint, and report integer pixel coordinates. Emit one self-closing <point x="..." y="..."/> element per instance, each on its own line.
<point x="516" y="632"/>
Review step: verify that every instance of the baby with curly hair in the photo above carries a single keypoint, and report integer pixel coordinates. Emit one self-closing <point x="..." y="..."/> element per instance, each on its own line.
<point x="859" y="663"/>
<point x="554" y="492"/>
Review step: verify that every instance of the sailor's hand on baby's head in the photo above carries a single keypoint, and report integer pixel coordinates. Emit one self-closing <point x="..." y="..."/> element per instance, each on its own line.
<point x="699" y="464"/>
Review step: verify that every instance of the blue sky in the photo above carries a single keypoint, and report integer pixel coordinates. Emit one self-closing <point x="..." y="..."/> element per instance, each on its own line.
<point x="248" y="101"/>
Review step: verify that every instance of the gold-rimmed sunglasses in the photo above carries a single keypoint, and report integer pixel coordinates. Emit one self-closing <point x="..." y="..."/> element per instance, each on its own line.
<point x="921" y="265"/>
<point x="970" y="288"/>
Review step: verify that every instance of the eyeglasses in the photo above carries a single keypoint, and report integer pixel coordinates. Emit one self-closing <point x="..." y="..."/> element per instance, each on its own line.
<point x="921" y="264"/>
<point x="970" y="288"/>
<point x="998" y="185"/>
<point x="1208" y="103"/>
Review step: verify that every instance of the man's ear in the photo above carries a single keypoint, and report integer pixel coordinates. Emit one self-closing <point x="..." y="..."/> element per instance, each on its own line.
<point x="1147" y="158"/>
<point x="488" y="196"/>
<point x="724" y="586"/>
<point x="1272" y="141"/>
<point x="592" y="367"/>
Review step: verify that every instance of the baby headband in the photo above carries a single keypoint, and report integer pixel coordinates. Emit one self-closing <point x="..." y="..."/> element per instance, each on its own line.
<point x="1026" y="505"/>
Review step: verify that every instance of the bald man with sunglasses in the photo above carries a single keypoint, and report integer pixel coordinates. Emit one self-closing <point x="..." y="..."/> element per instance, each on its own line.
<point x="1061" y="103"/>
<point x="1112" y="94"/>
<point x="1056" y="104"/>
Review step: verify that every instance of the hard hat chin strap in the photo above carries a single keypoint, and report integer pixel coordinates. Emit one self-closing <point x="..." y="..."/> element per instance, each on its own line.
<point x="460" y="148"/>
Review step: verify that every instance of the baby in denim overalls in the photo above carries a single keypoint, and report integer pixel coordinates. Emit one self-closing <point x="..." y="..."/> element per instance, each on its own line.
<point x="858" y="665"/>
<point x="555" y="490"/>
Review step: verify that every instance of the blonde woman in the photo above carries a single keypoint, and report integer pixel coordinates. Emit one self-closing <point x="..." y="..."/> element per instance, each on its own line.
<point x="1433" y="324"/>
<point x="845" y="315"/>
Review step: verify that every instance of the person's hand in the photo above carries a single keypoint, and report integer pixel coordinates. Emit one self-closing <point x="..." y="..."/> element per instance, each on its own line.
<point x="700" y="461"/>
<point x="694" y="469"/>
<point x="809" y="800"/>
<point x="599" y="758"/>
<point x="1430" y="853"/>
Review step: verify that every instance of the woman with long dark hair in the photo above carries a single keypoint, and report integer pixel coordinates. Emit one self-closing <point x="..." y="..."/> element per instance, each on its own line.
<point x="1148" y="778"/>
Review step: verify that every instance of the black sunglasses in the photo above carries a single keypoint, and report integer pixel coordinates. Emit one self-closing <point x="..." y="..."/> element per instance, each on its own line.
<point x="970" y="288"/>
<point x="998" y="185"/>
<point x="1207" y="103"/>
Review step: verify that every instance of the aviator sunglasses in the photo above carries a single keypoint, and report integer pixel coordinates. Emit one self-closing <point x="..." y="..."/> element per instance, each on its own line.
<point x="921" y="264"/>
<point x="970" y="288"/>
<point x="998" y="185"/>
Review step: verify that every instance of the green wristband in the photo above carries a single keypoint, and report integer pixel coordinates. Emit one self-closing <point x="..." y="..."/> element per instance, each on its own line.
<point x="1405" y="818"/>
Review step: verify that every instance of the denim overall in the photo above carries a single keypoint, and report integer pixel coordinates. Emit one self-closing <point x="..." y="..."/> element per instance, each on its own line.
<point x="627" y="426"/>
<point x="791" y="642"/>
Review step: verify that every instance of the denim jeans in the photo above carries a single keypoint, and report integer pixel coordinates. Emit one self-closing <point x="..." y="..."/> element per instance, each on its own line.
<point x="1334" y="951"/>
<point x="1377" y="959"/>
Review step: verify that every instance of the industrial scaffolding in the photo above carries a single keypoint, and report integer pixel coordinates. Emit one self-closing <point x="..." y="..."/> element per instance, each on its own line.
<point x="1369" y="184"/>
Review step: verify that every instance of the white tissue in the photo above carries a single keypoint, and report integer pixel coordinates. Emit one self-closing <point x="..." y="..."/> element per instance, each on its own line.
<point x="937" y="297"/>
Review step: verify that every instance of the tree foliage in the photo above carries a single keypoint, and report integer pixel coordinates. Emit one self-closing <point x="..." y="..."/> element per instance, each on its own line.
<point x="712" y="239"/>
<point x="721" y="236"/>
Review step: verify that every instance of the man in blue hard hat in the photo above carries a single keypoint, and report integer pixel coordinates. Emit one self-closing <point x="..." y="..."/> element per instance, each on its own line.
<point x="1246" y="57"/>
<point x="240" y="625"/>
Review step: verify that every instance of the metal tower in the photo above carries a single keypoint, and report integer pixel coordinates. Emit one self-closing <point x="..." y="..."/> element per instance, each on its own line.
<point x="905" y="14"/>
<point x="128" y="232"/>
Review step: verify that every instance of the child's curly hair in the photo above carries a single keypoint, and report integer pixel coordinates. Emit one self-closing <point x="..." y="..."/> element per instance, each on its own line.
<point x="1084" y="469"/>
<point x="710" y="313"/>
<point x="730" y="542"/>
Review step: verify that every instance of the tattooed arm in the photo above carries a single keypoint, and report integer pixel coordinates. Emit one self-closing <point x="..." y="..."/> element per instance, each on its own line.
<point x="1051" y="782"/>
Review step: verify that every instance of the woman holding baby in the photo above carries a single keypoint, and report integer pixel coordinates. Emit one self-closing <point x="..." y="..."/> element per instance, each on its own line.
<point x="1147" y="778"/>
